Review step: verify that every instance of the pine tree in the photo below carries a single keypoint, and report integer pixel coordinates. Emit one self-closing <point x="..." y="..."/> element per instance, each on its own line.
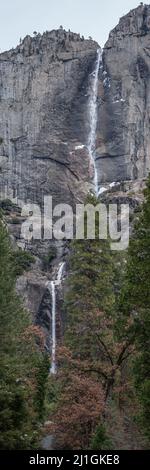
<point x="20" y="360"/>
<point x="91" y="310"/>
<point x="135" y="302"/>
<point x="94" y="351"/>
<point x="100" y="439"/>
<point x="89" y="287"/>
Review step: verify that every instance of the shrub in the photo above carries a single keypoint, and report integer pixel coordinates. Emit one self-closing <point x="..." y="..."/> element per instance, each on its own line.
<point x="14" y="221"/>
<point x="6" y="204"/>
<point x="100" y="439"/>
<point x="49" y="257"/>
<point x="22" y="261"/>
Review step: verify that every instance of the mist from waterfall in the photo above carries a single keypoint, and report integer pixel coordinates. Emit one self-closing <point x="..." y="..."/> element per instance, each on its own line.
<point x="93" y="118"/>
<point x="52" y="288"/>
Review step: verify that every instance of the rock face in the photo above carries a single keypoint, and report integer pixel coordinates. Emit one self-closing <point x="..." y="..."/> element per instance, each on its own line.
<point x="43" y="111"/>
<point x="45" y="86"/>
<point x="123" y="138"/>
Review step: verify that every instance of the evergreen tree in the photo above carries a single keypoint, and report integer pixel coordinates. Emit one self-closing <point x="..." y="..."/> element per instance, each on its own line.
<point x="92" y="356"/>
<point x="135" y="301"/>
<point x="100" y="439"/>
<point x="20" y="361"/>
<point x="90" y="288"/>
<point x="98" y="346"/>
<point x="91" y="309"/>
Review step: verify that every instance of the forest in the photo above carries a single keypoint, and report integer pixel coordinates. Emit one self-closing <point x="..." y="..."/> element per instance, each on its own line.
<point x="100" y="396"/>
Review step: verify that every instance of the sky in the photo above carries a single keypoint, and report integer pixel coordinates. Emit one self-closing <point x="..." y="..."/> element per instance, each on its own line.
<point x="93" y="18"/>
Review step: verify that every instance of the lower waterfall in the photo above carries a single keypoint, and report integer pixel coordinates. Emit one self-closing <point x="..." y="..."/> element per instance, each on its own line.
<point x="53" y="361"/>
<point x="52" y="288"/>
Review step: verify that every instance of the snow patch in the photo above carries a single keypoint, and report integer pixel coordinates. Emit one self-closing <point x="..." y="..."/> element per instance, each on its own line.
<point x="79" y="147"/>
<point x="106" y="82"/>
<point x="121" y="100"/>
<point x="102" y="190"/>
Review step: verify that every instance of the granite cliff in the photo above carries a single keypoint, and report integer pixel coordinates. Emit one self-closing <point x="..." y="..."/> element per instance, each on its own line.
<point x="123" y="137"/>
<point x="43" y="116"/>
<point x="45" y="86"/>
<point x="44" y="119"/>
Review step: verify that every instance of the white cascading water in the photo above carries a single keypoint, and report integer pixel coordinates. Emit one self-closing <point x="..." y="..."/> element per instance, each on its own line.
<point x="53" y="361"/>
<point x="60" y="273"/>
<point x="93" y="118"/>
<point x="52" y="287"/>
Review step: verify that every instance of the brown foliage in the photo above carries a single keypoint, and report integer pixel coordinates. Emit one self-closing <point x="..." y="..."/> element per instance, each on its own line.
<point x="80" y="406"/>
<point x="34" y="335"/>
<point x="78" y="413"/>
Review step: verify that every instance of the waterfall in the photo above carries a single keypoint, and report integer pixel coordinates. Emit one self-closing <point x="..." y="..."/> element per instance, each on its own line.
<point x="60" y="273"/>
<point x="53" y="291"/>
<point x="93" y="118"/>
<point x="52" y="288"/>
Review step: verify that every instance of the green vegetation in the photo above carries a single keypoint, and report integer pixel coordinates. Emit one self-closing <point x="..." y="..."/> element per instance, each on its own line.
<point x="52" y="253"/>
<point x="136" y="302"/>
<point x="22" y="261"/>
<point x="6" y="204"/>
<point x="21" y="362"/>
<point x="100" y="439"/>
<point x="14" y="221"/>
<point x="7" y="207"/>
<point x="106" y="344"/>
<point x="103" y="377"/>
<point x="92" y="357"/>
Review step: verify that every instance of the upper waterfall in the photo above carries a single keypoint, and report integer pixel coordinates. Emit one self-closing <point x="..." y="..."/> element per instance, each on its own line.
<point x="93" y="118"/>
<point x="60" y="273"/>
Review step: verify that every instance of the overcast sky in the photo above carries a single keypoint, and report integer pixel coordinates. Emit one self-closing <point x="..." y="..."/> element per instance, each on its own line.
<point x="89" y="17"/>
